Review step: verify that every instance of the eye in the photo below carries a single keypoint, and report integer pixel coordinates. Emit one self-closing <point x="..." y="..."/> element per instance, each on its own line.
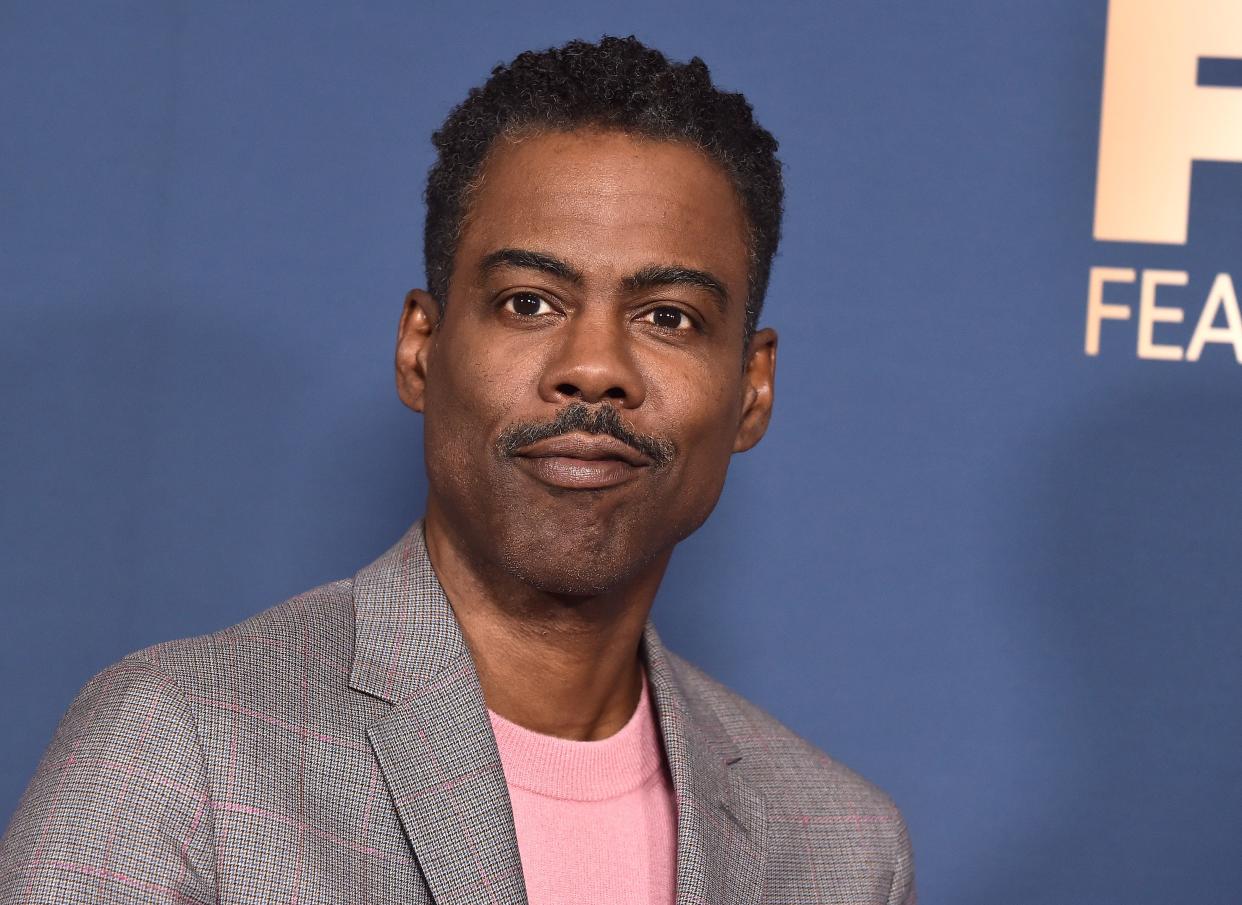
<point x="527" y="304"/>
<point x="669" y="318"/>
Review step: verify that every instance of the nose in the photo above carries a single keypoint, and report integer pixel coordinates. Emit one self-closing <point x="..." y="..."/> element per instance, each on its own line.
<point x="593" y="362"/>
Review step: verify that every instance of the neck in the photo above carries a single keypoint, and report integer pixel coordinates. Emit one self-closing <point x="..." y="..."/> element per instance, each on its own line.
<point x="561" y="666"/>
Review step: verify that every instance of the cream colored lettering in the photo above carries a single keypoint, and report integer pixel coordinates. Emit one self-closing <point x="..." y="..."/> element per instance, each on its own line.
<point x="1221" y="304"/>
<point x="1155" y="121"/>
<point x="1097" y="309"/>
<point x="1222" y="297"/>
<point x="1151" y="314"/>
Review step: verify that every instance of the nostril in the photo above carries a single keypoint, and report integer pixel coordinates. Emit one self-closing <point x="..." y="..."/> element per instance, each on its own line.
<point x="590" y="395"/>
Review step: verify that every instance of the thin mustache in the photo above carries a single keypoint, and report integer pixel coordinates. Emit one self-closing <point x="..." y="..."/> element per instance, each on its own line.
<point x="577" y="416"/>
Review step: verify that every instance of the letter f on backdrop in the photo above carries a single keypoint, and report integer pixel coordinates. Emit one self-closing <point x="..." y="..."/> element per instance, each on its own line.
<point x="1156" y="120"/>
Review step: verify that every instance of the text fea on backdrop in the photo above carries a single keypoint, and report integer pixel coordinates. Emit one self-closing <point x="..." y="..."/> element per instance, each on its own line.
<point x="1172" y="96"/>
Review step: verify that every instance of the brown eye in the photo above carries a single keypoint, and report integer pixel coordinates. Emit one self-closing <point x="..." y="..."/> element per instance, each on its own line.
<point x="669" y="318"/>
<point x="527" y="304"/>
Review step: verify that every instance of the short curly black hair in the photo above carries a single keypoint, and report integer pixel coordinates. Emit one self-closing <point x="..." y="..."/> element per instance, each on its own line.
<point x="617" y="83"/>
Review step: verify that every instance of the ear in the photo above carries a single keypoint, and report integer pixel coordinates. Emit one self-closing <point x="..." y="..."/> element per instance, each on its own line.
<point x="415" y="341"/>
<point x="758" y="384"/>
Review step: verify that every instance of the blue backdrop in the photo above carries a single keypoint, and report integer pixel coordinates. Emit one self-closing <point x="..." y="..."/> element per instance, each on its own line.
<point x="995" y="574"/>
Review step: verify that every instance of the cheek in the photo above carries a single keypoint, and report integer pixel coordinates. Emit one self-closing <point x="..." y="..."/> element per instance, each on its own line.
<point x="471" y="387"/>
<point x="694" y="487"/>
<point x="709" y="406"/>
<point x="710" y="409"/>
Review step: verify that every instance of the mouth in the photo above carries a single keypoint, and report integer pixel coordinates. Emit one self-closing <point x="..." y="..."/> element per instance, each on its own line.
<point x="578" y="461"/>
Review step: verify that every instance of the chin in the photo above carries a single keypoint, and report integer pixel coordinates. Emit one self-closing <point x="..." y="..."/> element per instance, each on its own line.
<point x="573" y="572"/>
<point x="578" y="585"/>
<point x="581" y="553"/>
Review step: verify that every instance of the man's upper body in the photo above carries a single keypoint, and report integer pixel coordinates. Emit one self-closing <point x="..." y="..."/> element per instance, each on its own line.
<point x="587" y="359"/>
<point x="337" y="748"/>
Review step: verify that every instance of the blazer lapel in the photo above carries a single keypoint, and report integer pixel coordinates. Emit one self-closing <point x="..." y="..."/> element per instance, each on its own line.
<point x="435" y="747"/>
<point x="438" y="755"/>
<point x="722" y="828"/>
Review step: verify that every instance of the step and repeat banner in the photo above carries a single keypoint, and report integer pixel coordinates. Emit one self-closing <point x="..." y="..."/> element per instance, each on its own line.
<point x="988" y="554"/>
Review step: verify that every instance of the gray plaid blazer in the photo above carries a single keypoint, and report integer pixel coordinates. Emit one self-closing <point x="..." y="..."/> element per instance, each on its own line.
<point x="336" y="748"/>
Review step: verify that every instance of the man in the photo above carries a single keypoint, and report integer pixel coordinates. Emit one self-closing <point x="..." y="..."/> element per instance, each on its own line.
<point x="485" y="714"/>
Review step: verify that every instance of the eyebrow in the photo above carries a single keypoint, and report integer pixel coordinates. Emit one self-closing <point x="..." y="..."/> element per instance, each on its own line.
<point x="671" y="275"/>
<point x="530" y="260"/>
<point x="651" y="277"/>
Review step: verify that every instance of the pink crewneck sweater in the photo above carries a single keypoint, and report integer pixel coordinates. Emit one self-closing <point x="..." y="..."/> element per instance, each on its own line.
<point x="595" y="821"/>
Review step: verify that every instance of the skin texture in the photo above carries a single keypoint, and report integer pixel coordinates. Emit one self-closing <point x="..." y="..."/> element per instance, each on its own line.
<point x="596" y="270"/>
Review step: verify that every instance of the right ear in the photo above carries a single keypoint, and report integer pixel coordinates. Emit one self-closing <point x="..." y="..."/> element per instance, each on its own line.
<point x="415" y="341"/>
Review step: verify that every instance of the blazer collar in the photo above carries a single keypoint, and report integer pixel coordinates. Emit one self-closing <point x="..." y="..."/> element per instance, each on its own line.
<point x="405" y="632"/>
<point x="722" y="826"/>
<point x="438" y="755"/>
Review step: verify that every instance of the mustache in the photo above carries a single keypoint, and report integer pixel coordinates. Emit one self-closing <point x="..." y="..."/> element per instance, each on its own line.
<point x="577" y="416"/>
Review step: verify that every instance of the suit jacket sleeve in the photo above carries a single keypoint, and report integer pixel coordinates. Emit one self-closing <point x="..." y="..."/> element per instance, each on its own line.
<point x="903" y="890"/>
<point x="119" y="810"/>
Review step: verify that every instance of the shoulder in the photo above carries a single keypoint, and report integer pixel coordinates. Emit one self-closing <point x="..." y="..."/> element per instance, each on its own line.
<point x="794" y="775"/>
<point x="179" y="706"/>
<point x="309" y="636"/>
<point x="818" y="808"/>
<point x="266" y="672"/>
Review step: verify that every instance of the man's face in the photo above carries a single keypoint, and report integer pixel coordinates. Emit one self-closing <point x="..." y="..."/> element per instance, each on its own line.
<point x="586" y="386"/>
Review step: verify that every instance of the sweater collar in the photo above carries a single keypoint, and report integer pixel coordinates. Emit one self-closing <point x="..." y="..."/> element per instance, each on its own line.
<point x="572" y="770"/>
<point x="438" y="755"/>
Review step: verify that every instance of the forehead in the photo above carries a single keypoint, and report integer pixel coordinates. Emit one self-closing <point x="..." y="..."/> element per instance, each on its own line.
<point x="609" y="203"/>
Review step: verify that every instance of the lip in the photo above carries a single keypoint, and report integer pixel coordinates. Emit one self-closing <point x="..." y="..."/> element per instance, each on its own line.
<point x="581" y="461"/>
<point x="588" y="447"/>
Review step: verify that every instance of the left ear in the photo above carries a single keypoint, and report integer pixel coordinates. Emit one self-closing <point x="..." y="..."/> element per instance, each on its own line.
<point x="757" y="387"/>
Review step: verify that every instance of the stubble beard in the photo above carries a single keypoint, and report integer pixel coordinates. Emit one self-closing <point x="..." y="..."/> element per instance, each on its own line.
<point x="571" y="544"/>
<point x="569" y="548"/>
